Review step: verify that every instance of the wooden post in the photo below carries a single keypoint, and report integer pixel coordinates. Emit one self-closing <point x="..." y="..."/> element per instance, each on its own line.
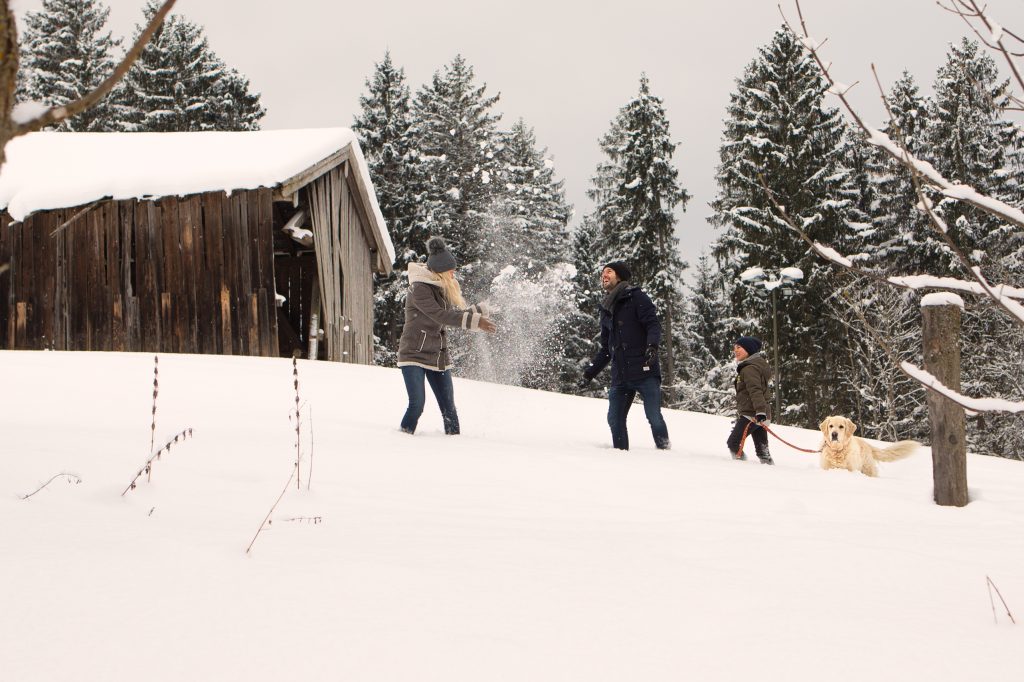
<point x="940" y="315"/>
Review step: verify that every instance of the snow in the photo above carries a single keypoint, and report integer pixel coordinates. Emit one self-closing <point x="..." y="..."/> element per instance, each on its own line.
<point x="752" y="274"/>
<point x="828" y="253"/>
<point x="24" y="112"/>
<point x="524" y="549"/>
<point x="795" y="274"/>
<point x="59" y="170"/>
<point x="942" y="298"/>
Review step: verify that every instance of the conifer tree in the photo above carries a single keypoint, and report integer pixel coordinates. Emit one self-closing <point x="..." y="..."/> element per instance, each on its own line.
<point x="970" y="141"/>
<point x="66" y="53"/>
<point x="577" y="332"/>
<point x="456" y="151"/>
<point x="636" y="191"/>
<point x="903" y="242"/>
<point x="779" y="134"/>
<point x="707" y="374"/>
<point x="384" y="128"/>
<point x="180" y="84"/>
<point x="533" y="235"/>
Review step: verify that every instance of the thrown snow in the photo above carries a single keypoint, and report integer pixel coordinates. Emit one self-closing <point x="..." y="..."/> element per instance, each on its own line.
<point x="524" y="549"/>
<point x="59" y="170"/>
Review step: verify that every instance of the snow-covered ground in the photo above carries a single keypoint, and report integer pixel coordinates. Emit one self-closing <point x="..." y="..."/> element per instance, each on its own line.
<point x="524" y="549"/>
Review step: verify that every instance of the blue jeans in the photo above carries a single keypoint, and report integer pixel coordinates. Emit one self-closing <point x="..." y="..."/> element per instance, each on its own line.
<point x="441" y="385"/>
<point x="620" y="399"/>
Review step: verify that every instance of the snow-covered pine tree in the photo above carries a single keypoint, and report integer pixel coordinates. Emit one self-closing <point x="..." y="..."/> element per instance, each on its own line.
<point x="577" y="332"/>
<point x="65" y="54"/>
<point x="902" y="241"/>
<point x="636" y="191"/>
<point x="237" y="107"/>
<point x="384" y="127"/>
<point x="533" y="232"/>
<point x="180" y="84"/>
<point x="779" y="134"/>
<point x="888" y="235"/>
<point x="457" y="148"/>
<point x="970" y="141"/>
<point x="708" y="370"/>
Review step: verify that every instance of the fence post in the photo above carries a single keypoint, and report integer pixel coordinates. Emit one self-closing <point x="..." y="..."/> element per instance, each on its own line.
<point x="940" y="315"/>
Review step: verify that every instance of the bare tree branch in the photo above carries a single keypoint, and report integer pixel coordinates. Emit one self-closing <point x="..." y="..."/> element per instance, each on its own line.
<point x="59" y="113"/>
<point x="929" y="175"/>
<point x="922" y="174"/>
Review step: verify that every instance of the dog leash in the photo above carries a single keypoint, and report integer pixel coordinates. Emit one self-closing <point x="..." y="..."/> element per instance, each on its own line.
<point x="777" y="436"/>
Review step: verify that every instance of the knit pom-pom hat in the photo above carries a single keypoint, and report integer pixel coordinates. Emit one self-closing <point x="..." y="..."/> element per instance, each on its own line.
<point x="439" y="258"/>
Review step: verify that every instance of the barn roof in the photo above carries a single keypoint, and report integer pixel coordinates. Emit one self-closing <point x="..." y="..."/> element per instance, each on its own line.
<point x="60" y="170"/>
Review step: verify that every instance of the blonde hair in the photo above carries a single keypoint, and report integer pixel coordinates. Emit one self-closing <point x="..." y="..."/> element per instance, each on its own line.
<point x="452" y="290"/>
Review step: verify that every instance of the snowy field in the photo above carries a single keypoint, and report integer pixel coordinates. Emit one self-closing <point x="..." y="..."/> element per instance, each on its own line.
<point x="524" y="549"/>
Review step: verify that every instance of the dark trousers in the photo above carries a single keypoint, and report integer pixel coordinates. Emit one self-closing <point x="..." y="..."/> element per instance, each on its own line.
<point x="441" y="385"/>
<point x="755" y="433"/>
<point x="620" y="399"/>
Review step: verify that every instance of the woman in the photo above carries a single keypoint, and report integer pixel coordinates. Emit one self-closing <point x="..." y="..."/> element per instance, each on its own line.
<point x="433" y="302"/>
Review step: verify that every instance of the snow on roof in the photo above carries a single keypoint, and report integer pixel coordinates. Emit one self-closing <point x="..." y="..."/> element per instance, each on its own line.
<point x="59" y="170"/>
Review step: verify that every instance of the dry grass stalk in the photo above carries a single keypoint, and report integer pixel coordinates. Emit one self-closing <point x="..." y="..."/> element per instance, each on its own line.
<point x="71" y="478"/>
<point x="298" y="442"/>
<point x="309" y="475"/>
<point x="305" y="519"/>
<point x="156" y="390"/>
<point x="147" y="468"/>
<point x="992" y="586"/>
<point x="266" y="520"/>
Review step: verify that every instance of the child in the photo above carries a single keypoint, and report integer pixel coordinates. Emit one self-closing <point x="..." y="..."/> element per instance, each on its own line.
<point x="752" y="377"/>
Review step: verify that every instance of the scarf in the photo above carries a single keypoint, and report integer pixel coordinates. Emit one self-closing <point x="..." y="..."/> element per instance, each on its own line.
<point x="613" y="296"/>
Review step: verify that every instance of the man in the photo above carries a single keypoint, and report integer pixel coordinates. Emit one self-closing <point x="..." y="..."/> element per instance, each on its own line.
<point x="630" y="334"/>
<point x="752" y="377"/>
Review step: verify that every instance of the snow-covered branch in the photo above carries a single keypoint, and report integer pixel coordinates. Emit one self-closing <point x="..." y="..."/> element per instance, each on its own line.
<point x="995" y="37"/>
<point x="921" y="169"/>
<point x="927" y="380"/>
<point x="922" y="174"/>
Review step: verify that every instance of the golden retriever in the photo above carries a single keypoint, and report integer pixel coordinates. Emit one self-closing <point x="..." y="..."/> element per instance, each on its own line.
<point x="843" y="450"/>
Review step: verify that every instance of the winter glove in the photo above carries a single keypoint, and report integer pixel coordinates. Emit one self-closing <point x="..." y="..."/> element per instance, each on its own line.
<point x="487" y="325"/>
<point x="588" y="376"/>
<point x="651" y="356"/>
<point x="761" y="418"/>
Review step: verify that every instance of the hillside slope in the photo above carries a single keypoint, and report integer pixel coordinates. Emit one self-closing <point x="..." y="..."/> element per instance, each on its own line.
<point x="523" y="549"/>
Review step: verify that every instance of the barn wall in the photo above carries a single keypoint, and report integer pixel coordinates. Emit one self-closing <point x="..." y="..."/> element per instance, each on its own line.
<point x="181" y="274"/>
<point x="345" y="262"/>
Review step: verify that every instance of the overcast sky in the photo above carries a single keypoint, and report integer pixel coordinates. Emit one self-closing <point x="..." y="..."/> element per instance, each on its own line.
<point x="564" y="67"/>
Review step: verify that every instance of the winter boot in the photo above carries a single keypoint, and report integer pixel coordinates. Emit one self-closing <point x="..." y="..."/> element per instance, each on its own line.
<point x="739" y="456"/>
<point x="765" y="456"/>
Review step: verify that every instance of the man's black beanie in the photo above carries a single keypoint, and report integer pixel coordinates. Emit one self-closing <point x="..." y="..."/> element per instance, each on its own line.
<point x="621" y="269"/>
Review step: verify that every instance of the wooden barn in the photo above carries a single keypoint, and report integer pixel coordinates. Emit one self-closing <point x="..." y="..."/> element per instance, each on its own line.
<point x="236" y="243"/>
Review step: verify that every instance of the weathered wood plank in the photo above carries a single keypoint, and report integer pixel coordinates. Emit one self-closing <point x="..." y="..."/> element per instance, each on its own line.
<point x="227" y="337"/>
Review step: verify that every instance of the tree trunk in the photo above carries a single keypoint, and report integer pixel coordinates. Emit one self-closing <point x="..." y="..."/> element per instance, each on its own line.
<point x="8" y="73"/>
<point x="941" y="339"/>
